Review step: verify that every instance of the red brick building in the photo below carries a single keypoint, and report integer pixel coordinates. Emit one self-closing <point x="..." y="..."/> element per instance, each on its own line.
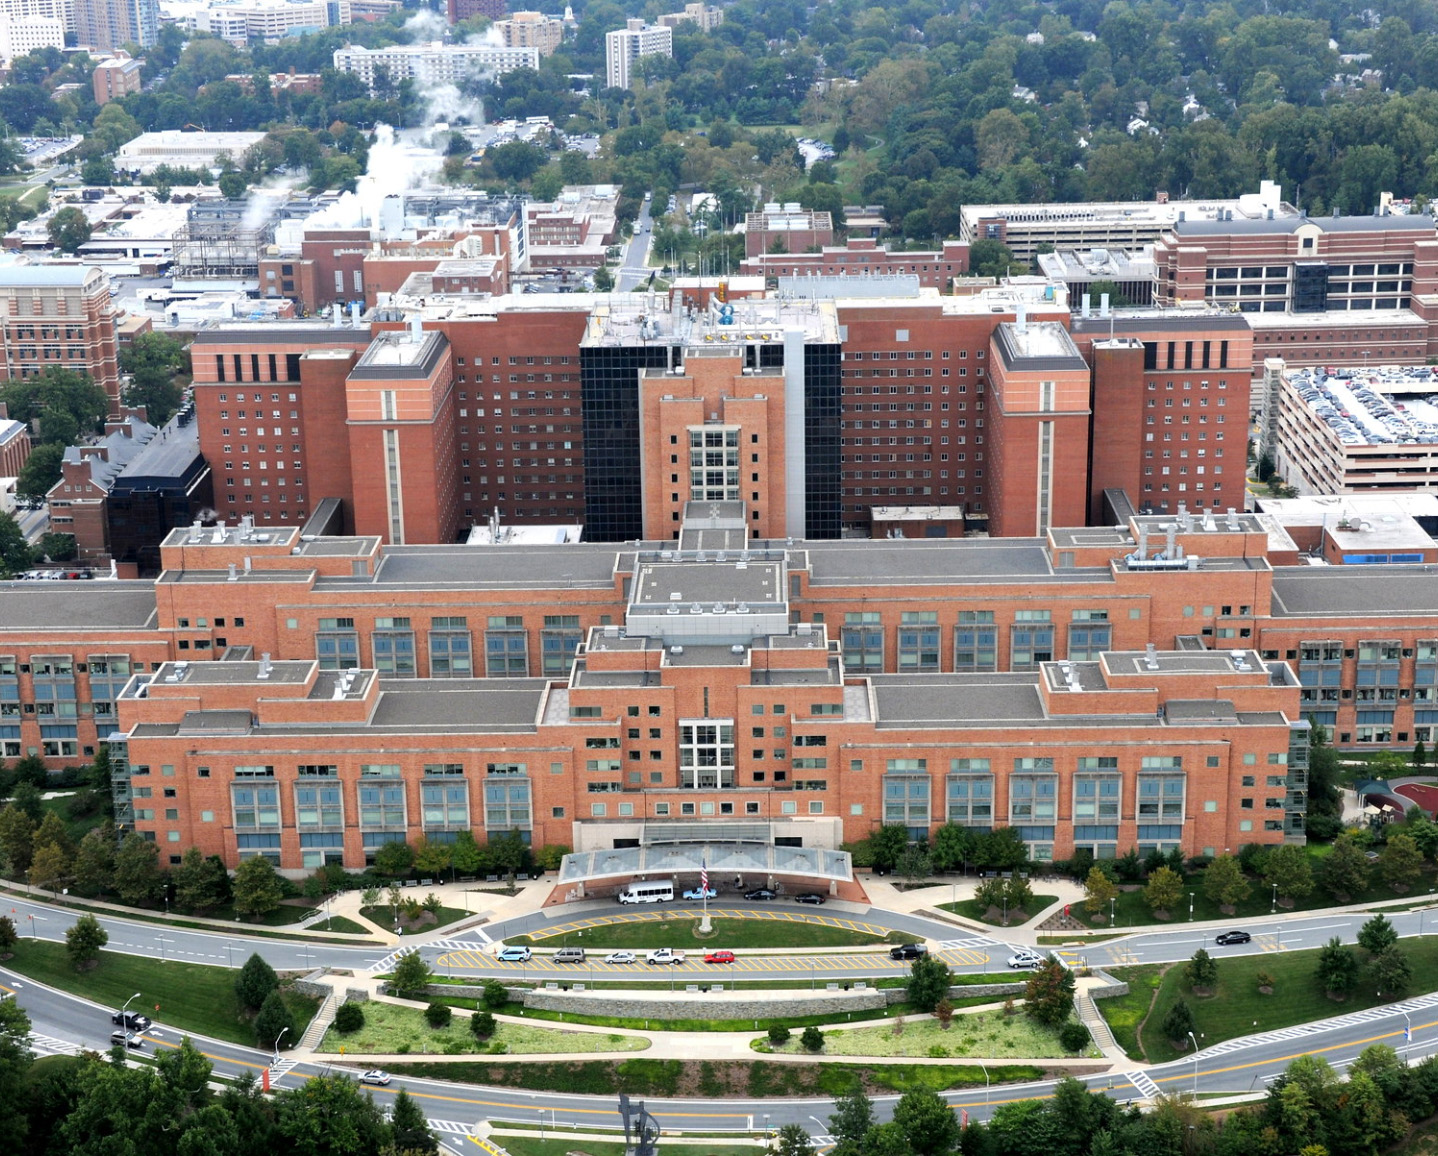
<point x="865" y="257"/>
<point x="62" y="315"/>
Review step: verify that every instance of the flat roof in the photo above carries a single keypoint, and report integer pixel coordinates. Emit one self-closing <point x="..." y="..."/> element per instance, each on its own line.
<point x="476" y="567"/>
<point x="70" y="606"/>
<point x="1405" y="222"/>
<point x="686" y="584"/>
<point x="921" y="561"/>
<point x="1403" y="592"/>
<point x="1037" y="345"/>
<point x="464" y="705"/>
<point x="394" y="354"/>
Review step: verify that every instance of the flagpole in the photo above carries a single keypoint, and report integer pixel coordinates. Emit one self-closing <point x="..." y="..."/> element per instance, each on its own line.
<point x="704" y="927"/>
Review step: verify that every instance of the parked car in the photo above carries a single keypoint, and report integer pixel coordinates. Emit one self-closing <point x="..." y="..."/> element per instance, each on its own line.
<point x="908" y="951"/>
<point x="1228" y="938"/>
<point x="701" y="893"/>
<point x="620" y="957"/>
<point x="664" y="955"/>
<point x="375" y="1076"/>
<point x="125" y="1039"/>
<point x="132" y="1020"/>
<point x="569" y="955"/>
<point x="719" y="957"/>
<point x="1026" y="959"/>
<point x="514" y="954"/>
<point x="809" y="897"/>
<point x="759" y="895"/>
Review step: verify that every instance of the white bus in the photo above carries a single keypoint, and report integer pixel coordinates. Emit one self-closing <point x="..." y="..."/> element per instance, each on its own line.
<point x="658" y="891"/>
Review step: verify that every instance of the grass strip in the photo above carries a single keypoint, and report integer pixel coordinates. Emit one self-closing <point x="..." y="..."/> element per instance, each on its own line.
<point x="193" y="997"/>
<point x="979" y="913"/>
<point x="717" y="1079"/>
<point x="679" y="929"/>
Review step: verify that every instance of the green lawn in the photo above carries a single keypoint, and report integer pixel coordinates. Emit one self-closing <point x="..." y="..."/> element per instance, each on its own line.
<point x="339" y="923"/>
<point x="982" y="1034"/>
<point x="390" y="1029"/>
<point x="680" y="929"/>
<point x="971" y="909"/>
<point x="191" y="996"/>
<point x="1125" y="1013"/>
<point x="1237" y="1006"/>
<point x="282" y="916"/>
<point x="66" y="806"/>
<point x="383" y="914"/>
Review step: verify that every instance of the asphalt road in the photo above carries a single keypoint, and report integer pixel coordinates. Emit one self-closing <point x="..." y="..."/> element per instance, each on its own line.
<point x="634" y="272"/>
<point x="65" y="1023"/>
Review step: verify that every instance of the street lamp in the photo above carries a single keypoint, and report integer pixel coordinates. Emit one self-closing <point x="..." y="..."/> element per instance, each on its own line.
<point x="1195" y="1065"/>
<point x="161" y="940"/>
<point x="1190" y="906"/>
<point x="986" y="1087"/>
<point x="1110" y="910"/>
<point x="1273" y="910"/>
<point x="126" y="1008"/>
<point x="278" y="1038"/>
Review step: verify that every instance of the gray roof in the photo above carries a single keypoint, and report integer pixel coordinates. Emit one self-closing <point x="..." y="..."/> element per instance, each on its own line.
<point x="120" y="450"/>
<point x="502" y="567"/>
<point x="1369" y="224"/>
<point x="1400" y="591"/>
<point x="916" y="562"/>
<point x="171" y="453"/>
<point x="73" y="606"/>
<point x="46" y="275"/>
<point x="450" y="705"/>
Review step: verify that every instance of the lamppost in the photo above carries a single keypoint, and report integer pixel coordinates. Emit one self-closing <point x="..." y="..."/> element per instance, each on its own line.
<point x="278" y="1038"/>
<point x="125" y="1008"/>
<point x="161" y="940"/>
<point x="1273" y="910"/>
<point x="986" y="1087"/>
<point x="1195" y="1065"/>
<point x="1190" y="906"/>
<point x="1110" y="910"/>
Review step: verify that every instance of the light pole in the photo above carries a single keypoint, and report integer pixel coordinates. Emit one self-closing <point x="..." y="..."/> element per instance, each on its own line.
<point x="1273" y="910"/>
<point x="125" y="1008"/>
<point x="1190" y="906"/>
<point x="1195" y="1065"/>
<point x="1110" y="911"/>
<point x="278" y="1038"/>
<point x="161" y="940"/>
<point x="986" y="1087"/>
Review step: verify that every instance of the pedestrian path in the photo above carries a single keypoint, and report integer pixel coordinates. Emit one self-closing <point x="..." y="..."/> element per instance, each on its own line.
<point x="1150" y="1090"/>
<point x="1302" y="1031"/>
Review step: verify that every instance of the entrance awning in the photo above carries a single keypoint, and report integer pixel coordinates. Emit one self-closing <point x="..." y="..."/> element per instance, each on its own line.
<point x="669" y="859"/>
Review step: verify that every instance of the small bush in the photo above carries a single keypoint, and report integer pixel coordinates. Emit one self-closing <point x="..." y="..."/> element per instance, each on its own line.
<point x="812" y="1039"/>
<point x="1010" y="1008"/>
<point x="1073" y="1036"/>
<point x="481" y="1023"/>
<point x="438" y="1015"/>
<point x="779" y="1035"/>
<point x="944" y="1013"/>
<point x="349" y="1017"/>
<point x="495" y="994"/>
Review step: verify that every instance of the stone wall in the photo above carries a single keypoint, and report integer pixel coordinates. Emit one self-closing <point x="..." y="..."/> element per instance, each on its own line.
<point x="356" y="995"/>
<point x="310" y="987"/>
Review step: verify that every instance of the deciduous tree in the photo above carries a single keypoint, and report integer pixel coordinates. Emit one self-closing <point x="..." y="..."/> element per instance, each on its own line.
<point x="137" y="870"/>
<point x="1400" y="863"/>
<point x="929" y="981"/>
<point x="1343" y="873"/>
<point x="1337" y="969"/>
<point x="257" y="887"/>
<point x="83" y="941"/>
<point x="1224" y="884"/>
<point x="411" y="975"/>
<point x="1049" y="994"/>
<point x="1099" y="889"/>
<point x="1287" y="868"/>
<point x="1163" y="890"/>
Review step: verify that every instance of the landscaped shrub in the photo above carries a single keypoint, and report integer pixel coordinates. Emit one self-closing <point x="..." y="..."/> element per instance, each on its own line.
<point x="349" y="1017"/>
<point x="779" y="1035"/>
<point x="438" y="1015"/>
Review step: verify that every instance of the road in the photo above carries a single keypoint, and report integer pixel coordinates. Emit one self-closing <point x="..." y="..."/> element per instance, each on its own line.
<point x="634" y="271"/>
<point x="65" y="1023"/>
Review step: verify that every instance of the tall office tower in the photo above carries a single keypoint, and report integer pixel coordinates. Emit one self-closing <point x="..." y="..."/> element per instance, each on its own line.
<point x="624" y="46"/>
<point x="106" y="25"/>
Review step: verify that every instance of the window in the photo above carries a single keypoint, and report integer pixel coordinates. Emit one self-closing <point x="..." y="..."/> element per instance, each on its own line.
<point x="919" y="641"/>
<point x="906" y="802"/>
<point x="393" y="642"/>
<point x="976" y="641"/>
<point x="506" y="805"/>
<point x="1031" y="640"/>
<point x="449" y="648"/>
<point x="445" y="806"/>
<point x="1089" y="635"/>
<point x="706" y="753"/>
<point x="862" y="639"/>
<point x="714" y="463"/>
<point x="337" y="644"/>
<point x="506" y="647"/>
<point x="559" y="640"/>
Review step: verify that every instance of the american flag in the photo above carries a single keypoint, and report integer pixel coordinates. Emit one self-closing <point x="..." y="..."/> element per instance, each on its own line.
<point x="703" y="875"/>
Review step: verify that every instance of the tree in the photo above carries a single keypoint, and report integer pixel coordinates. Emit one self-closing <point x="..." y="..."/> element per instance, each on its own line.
<point x="1400" y="863"/>
<point x="914" y="864"/>
<point x="792" y="1141"/>
<point x="410" y="1130"/>
<point x="851" y="1119"/>
<point x="1099" y="889"/>
<point x="1177" y="1023"/>
<point x="1201" y="971"/>
<point x="438" y="1015"/>
<point x="1377" y="934"/>
<point x="812" y="1039"/>
<point x="929" y="981"/>
<point x="951" y="847"/>
<point x="431" y="857"/>
<point x="394" y="858"/>
<point x="1286" y="867"/>
<point x="1049" y="994"/>
<point x="482" y="1025"/>
<point x="464" y="854"/>
<point x="411" y="975"/>
<point x="49" y="866"/>
<point x="778" y="1035"/>
<point x="929" y="1125"/>
<point x="1391" y="971"/>
<point x="69" y="229"/>
<point x="275" y="1026"/>
<point x="9" y="937"/>
<point x="990" y="258"/>
<point x="16" y="554"/>
<point x="83" y="941"/>
<point x="257" y="887"/>
<point x="886" y="845"/>
<point x="57" y="547"/>
<point x="494" y="994"/>
<point x="944" y="1013"/>
<point x="65" y="404"/>
<point x="1163" y="890"/>
<point x="255" y="982"/>
<point x="1343" y="873"/>
<point x="328" y="1116"/>
<point x="508" y="852"/>
<point x="349" y="1017"/>
<point x="17" y="833"/>
<point x="1224" y="884"/>
<point x="1073" y="1036"/>
<point x="137" y="870"/>
<point x="153" y="360"/>
<point x="197" y="883"/>
<point x="95" y="859"/>
<point x="1337" y="969"/>
<point x="16" y="1074"/>
<point x="1420" y="756"/>
<point x="97" y="171"/>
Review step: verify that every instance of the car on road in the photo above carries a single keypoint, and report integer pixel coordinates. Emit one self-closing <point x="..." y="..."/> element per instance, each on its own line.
<point x="375" y="1076"/>
<point x="620" y="957"/>
<point x="759" y="895"/>
<point x="1028" y="959"/>
<point x="514" y="954"/>
<point x="569" y="955"/>
<point x="134" y="1021"/>
<point x="908" y="951"/>
<point x="701" y="893"/>
<point x="125" y="1039"/>
<point x="1228" y="938"/>
<point x="664" y="955"/>
<point x="810" y="897"/>
<point x="719" y="957"/>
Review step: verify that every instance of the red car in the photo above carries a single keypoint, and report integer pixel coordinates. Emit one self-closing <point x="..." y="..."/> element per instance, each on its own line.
<point x="719" y="957"/>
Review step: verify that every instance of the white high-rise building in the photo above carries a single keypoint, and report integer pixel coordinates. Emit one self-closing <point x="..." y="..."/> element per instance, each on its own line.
<point x="432" y="64"/>
<point x="624" y="46"/>
<point x="22" y="35"/>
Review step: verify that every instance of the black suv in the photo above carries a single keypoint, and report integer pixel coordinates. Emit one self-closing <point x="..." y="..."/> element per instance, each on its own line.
<point x="761" y="894"/>
<point x="908" y="951"/>
<point x="134" y="1021"/>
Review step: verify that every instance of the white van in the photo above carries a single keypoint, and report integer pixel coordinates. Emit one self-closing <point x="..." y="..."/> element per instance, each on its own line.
<point x="654" y="892"/>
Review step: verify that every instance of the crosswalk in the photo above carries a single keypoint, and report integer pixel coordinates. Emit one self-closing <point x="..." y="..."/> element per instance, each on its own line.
<point x="280" y="1070"/>
<point x="977" y="941"/>
<point x="451" y="1127"/>
<point x="1146" y="1086"/>
<point x="461" y="945"/>
<point x="50" y="1046"/>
